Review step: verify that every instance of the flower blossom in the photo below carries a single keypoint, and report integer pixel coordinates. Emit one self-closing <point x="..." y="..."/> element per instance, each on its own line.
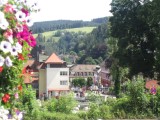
<point x="1" y="69"/>
<point x="3" y="22"/>
<point x="19" y="27"/>
<point x="9" y="35"/>
<point x="29" y="21"/>
<point x="20" y="57"/>
<point x="3" y="113"/>
<point x="8" y="8"/>
<point x="1" y="60"/>
<point x="8" y="61"/>
<point x="20" y="16"/>
<point x="25" y="12"/>
<point x="6" y="98"/>
<point x="18" y="47"/>
<point x="2" y="2"/>
<point x="14" y="51"/>
<point x="16" y="95"/>
<point x="27" y="36"/>
<point x="5" y="46"/>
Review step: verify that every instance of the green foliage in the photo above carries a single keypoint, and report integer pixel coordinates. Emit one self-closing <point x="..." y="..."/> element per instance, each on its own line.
<point x="138" y="36"/>
<point x="94" y="98"/>
<point x="54" y="109"/>
<point x="40" y="27"/>
<point x="105" y="112"/>
<point x="51" y="104"/>
<point x="79" y="82"/>
<point x="28" y="100"/>
<point x="65" y="104"/>
<point x="89" y="81"/>
<point x="52" y="116"/>
<point x="94" y="111"/>
<point x="89" y="47"/>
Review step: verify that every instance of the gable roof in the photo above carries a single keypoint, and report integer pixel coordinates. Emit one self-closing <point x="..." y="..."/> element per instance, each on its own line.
<point x="53" y="58"/>
<point x="83" y="68"/>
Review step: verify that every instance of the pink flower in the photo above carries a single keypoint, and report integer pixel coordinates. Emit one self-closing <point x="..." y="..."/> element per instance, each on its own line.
<point x="16" y="95"/>
<point x="8" y="8"/>
<point x="27" y="36"/>
<point x="25" y="11"/>
<point x="32" y="41"/>
<point x="9" y="35"/>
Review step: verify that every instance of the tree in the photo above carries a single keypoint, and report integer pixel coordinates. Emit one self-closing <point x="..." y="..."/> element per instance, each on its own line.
<point x="79" y="82"/>
<point x="89" y="81"/>
<point x="137" y="35"/>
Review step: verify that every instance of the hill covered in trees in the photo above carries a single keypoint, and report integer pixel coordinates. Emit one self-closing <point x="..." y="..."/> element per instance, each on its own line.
<point x="80" y="47"/>
<point x="40" y="27"/>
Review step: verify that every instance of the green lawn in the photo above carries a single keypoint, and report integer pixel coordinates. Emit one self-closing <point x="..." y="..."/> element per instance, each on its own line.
<point x="51" y="33"/>
<point x="82" y="29"/>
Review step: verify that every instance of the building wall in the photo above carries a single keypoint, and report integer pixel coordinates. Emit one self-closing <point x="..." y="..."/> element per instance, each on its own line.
<point x="104" y="75"/>
<point x="54" y="78"/>
<point x="42" y="81"/>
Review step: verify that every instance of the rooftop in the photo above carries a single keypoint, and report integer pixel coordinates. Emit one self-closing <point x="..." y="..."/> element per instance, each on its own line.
<point x="53" y="58"/>
<point x="83" y="68"/>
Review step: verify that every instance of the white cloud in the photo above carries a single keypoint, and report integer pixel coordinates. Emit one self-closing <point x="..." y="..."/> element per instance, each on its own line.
<point x="72" y="9"/>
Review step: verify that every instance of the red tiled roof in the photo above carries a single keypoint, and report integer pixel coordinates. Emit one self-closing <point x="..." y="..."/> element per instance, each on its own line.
<point x="54" y="59"/>
<point x="151" y="83"/>
<point x="29" y="63"/>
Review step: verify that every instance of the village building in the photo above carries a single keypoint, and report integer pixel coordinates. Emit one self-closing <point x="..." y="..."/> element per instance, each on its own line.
<point x="85" y="71"/>
<point x="53" y="76"/>
<point x="105" y="75"/>
<point x="30" y="74"/>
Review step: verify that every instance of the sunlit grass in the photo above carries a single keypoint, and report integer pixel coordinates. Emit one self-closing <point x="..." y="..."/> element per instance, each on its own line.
<point x="51" y="33"/>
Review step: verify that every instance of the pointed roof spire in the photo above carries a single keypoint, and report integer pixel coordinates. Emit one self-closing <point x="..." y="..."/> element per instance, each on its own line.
<point x="53" y="58"/>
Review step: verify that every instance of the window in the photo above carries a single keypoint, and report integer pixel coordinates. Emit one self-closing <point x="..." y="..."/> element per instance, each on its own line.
<point x="64" y="73"/>
<point x="85" y="73"/>
<point x="63" y="82"/>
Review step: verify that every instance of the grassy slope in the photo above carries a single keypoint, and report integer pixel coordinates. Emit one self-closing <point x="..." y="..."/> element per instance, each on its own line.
<point x="51" y="33"/>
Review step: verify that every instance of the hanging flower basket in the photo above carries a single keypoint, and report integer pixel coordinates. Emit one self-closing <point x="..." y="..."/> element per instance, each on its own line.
<point x="16" y="42"/>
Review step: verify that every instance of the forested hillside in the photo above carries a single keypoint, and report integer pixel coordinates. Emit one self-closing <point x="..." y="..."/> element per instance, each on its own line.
<point x="79" y="47"/>
<point x="40" y="27"/>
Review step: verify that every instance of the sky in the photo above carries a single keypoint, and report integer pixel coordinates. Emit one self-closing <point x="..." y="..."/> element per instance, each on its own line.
<point x="72" y="10"/>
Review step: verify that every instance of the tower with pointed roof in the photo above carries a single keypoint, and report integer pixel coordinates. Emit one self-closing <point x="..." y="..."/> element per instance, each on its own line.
<point x="53" y="76"/>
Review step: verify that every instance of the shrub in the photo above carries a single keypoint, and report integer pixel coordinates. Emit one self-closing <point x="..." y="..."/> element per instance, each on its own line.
<point x="52" y="116"/>
<point x="94" y="111"/>
<point x="105" y="112"/>
<point x="65" y="103"/>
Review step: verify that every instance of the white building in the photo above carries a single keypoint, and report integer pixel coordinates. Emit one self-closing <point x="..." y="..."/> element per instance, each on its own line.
<point x="53" y="77"/>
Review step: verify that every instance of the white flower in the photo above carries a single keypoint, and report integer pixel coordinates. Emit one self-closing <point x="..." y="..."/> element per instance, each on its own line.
<point x="3" y="113"/>
<point x="10" y="39"/>
<point x="19" y="27"/>
<point x="5" y="46"/>
<point x="3" y="22"/>
<point x="13" y="51"/>
<point x="1" y="15"/>
<point x="8" y="61"/>
<point x="2" y="2"/>
<point x="1" y="60"/>
<point x="19" y="1"/>
<point x="18" y="47"/>
<point x="20" y="16"/>
<point x="20" y="116"/>
<point x="29" y="21"/>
